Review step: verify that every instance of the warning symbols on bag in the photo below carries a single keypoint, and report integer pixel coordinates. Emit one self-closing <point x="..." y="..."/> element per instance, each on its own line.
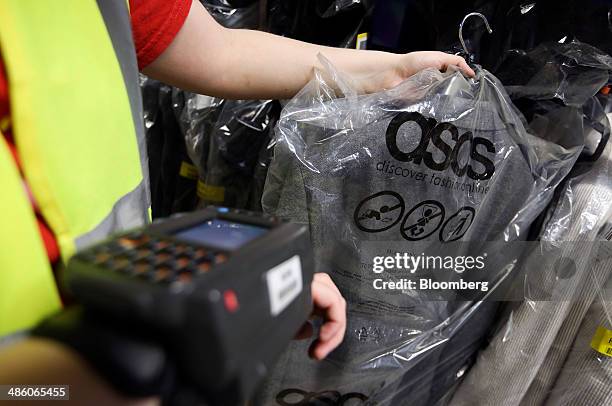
<point x="457" y="225"/>
<point x="379" y="212"/>
<point x="422" y="220"/>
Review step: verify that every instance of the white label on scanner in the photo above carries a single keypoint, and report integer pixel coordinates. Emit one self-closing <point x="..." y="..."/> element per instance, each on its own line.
<point x="284" y="284"/>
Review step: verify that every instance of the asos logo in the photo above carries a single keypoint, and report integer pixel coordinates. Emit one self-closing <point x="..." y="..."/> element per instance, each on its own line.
<point x="431" y="133"/>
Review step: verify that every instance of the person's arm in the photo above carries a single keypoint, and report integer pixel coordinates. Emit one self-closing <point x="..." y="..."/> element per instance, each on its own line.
<point x="243" y="64"/>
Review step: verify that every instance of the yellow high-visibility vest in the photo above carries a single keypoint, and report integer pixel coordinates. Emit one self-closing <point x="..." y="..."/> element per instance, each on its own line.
<point x="76" y="114"/>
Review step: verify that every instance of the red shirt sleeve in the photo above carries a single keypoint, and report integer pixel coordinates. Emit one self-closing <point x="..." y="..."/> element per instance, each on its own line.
<point x="155" y="23"/>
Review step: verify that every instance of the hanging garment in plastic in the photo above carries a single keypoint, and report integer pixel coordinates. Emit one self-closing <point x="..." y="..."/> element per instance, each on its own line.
<point x="182" y="172"/>
<point x="557" y="81"/>
<point x="570" y="72"/>
<point x="214" y="151"/>
<point x="228" y="140"/>
<point x="155" y="139"/>
<point x="524" y="358"/>
<point x="174" y="177"/>
<point x="438" y="159"/>
<point x="173" y="186"/>
<point x="337" y="22"/>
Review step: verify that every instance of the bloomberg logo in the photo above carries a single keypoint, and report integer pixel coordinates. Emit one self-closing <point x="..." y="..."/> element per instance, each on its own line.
<point x="431" y="133"/>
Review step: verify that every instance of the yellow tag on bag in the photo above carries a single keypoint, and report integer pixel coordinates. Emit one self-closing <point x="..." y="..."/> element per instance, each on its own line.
<point x="188" y="170"/>
<point x="602" y="341"/>
<point x="210" y="193"/>
<point x="362" y="41"/>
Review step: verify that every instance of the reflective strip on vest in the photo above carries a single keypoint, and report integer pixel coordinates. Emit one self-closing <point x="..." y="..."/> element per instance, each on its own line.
<point x="75" y="108"/>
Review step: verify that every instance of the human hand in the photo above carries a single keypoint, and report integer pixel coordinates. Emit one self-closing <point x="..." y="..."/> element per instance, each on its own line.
<point x="330" y="305"/>
<point x="397" y="68"/>
<point x="416" y="61"/>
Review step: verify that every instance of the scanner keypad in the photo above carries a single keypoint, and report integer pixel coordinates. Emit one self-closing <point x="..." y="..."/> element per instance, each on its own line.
<point x="155" y="259"/>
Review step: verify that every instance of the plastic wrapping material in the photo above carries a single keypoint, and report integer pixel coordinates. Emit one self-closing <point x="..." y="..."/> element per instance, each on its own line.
<point x="154" y="137"/>
<point x="556" y="87"/>
<point x="182" y="128"/>
<point x="234" y="14"/>
<point x="173" y="189"/>
<point x="197" y="120"/>
<point x="570" y="73"/>
<point x="337" y="22"/>
<point x="437" y="160"/>
<point x="181" y="172"/>
<point x="586" y="376"/>
<point x="228" y="140"/>
<point x="338" y="6"/>
<point x="539" y="342"/>
<point x="527" y="361"/>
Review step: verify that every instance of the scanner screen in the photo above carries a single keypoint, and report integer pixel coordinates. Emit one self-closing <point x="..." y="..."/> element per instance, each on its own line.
<point x="222" y="234"/>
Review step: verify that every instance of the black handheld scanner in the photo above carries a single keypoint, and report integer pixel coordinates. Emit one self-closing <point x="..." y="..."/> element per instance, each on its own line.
<point x="226" y="289"/>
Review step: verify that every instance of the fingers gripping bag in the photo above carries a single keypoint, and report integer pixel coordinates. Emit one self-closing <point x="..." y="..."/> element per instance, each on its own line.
<point x="438" y="160"/>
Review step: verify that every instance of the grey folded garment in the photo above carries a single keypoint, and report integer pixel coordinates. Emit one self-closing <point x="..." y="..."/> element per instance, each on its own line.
<point x="523" y="360"/>
<point x="586" y="376"/>
<point x="334" y="171"/>
<point x="521" y="364"/>
<point x="541" y="385"/>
